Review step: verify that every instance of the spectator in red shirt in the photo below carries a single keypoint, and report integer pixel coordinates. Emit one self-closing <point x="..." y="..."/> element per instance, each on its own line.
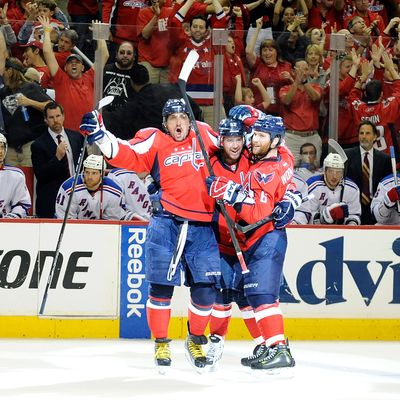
<point x="74" y="87"/>
<point x="272" y="71"/>
<point x="329" y="12"/>
<point x="300" y="111"/>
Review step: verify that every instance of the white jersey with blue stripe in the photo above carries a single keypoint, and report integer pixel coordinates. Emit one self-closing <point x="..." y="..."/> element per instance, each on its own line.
<point x="324" y="196"/>
<point x="383" y="214"/>
<point x="15" y="200"/>
<point x="105" y="203"/>
<point x="136" y="195"/>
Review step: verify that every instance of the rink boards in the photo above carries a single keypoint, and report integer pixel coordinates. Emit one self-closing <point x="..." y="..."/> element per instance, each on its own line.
<point x="339" y="284"/>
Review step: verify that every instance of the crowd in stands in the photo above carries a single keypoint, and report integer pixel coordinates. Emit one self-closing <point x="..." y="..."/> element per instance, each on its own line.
<point x="277" y="58"/>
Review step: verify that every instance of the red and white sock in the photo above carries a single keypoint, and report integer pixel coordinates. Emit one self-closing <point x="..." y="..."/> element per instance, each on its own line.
<point x="220" y="317"/>
<point x="270" y="323"/>
<point x="199" y="317"/>
<point x="251" y="324"/>
<point x="158" y="316"/>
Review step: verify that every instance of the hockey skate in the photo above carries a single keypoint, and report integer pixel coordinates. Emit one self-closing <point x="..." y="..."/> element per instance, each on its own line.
<point x="195" y="353"/>
<point x="275" y="358"/>
<point x="258" y="352"/>
<point x="162" y="355"/>
<point x="214" y="353"/>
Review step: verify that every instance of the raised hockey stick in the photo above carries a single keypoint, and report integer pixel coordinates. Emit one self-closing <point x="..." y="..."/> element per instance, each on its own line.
<point x="394" y="170"/>
<point x="102" y="103"/>
<point x="338" y="149"/>
<point x="187" y="67"/>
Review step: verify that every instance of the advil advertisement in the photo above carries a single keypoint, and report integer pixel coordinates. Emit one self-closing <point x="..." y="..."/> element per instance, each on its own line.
<point x="134" y="288"/>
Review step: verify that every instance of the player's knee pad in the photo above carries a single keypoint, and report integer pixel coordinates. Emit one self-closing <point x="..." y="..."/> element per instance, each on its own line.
<point x="161" y="291"/>
<point x="203" y="294"/>
<point x="259" y="299"/>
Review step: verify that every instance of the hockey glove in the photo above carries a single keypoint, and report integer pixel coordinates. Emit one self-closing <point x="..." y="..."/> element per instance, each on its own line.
<point x="335" y="212"/>
<point x="92" y="126"/>
<point x="391" y="196"/>
<point x="226" y="190"/>
<point x="247" y="114"/>
<point x="284" y="210"/>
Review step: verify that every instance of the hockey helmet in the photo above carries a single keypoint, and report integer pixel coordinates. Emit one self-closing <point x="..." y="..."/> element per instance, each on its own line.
<point x="231" y="127"/>
<point x="3" y="140"/>
<point x="333" y="160"/>
<point x="95" y="162"/>
<point x="272" y="125"/>
<point x="173" y="106"/>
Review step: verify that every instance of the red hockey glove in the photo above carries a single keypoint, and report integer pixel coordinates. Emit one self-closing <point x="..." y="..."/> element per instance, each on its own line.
<point x="392" y="196"/>
<point x="335" y="212"/>
<point x="224" y="189"/>
<point x="247" y="114"/>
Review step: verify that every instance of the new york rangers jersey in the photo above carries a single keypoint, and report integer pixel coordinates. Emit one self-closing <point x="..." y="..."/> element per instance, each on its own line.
<point x="136" y="195"/>
<point x="324" y="196"/>
<point x="15" y="200"/>
<point x="383" y="214"/>
<point x="107" y="202"/>
<point x="177" y="167"/>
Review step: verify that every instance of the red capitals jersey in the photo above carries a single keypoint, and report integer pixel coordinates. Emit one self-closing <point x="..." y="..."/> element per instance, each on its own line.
<point x="238" y="175"/>
<point x="178" y="168"/>
<point x="381" y="113"/>
<point x="268" y="179"/>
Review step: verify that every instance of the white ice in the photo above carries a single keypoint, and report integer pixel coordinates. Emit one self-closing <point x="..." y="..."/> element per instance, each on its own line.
<point x="124" y="369"/>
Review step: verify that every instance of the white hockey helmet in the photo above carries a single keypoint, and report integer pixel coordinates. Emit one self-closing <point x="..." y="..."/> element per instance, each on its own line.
<point x="333" y="160"/>
<point x="95" y="162"/>
<point x="3" y="139"/>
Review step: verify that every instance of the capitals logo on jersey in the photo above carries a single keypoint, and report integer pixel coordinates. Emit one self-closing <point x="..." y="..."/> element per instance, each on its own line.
<point x="186" y="155"/>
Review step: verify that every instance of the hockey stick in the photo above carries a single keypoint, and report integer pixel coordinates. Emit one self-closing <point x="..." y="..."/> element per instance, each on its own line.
<point x="250" y="227"/>
<point x="338" y="149"/>
<point x="102" y="103"/>
<point x="187" y="67"/>
<point x="394" y="170"/>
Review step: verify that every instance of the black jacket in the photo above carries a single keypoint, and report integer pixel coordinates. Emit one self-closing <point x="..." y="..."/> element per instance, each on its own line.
<point x="381" y="168"/>
<point x="50" y="172"/>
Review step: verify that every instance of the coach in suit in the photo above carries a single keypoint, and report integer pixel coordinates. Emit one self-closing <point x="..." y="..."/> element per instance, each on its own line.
<point x="379" y="167"/>
<point x="54" y="157"/>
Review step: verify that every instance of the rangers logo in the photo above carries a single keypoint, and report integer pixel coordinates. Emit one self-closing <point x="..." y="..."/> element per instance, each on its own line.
<point x="264" y="178"/>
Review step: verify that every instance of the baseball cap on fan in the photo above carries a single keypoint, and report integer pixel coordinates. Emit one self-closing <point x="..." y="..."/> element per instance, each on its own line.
<point x="73" y="56"/>
<point x="34" y="43"/>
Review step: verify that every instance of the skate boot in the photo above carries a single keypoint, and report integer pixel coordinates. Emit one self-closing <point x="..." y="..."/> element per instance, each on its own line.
<point x="162" y="354"/>
<point x="277" y="357"/>
<point x="258" y="351"/>
<point x="194" y="352"/>
<point x="214" y="353"/>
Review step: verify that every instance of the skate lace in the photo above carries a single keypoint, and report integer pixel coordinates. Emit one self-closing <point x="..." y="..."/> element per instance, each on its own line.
<point x="195" y="349"/>
<point x="162" y="351"/>
<point x="257" y="354"/>
<point x="271" y="354"/>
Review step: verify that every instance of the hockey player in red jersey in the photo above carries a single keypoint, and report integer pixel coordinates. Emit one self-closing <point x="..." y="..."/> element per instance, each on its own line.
<point x="234" y="164"/>
<point x="269" y="180"/>
<point x="179" y="235"/>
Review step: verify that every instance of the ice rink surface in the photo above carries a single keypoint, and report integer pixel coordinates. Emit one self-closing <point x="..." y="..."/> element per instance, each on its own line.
<point x="124" y="369"/>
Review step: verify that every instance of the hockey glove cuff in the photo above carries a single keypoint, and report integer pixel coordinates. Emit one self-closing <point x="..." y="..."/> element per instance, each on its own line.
<point x="285" y="209"/>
